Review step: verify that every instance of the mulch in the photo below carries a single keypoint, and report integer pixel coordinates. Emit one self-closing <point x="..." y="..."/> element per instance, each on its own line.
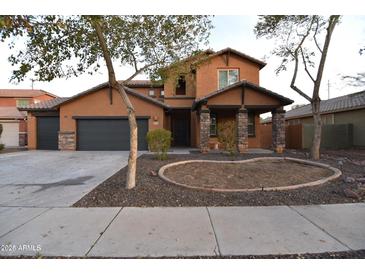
<point x="151" y="191"/>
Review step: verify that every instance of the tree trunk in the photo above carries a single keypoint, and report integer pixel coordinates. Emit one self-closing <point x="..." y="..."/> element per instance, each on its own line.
<point x="316" y="101"/>
<point x="317" y="123"/>
<point x="132" y="160"/>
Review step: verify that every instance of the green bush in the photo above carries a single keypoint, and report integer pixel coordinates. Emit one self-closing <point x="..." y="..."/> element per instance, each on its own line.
<point x="159" y="142"/>
<point x="2" y="146"/>
<point x="227" y="132"/>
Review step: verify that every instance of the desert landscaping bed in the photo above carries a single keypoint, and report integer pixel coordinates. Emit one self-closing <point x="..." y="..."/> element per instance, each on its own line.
<point x="273" y="173"/>
<point x="152" y="191"/>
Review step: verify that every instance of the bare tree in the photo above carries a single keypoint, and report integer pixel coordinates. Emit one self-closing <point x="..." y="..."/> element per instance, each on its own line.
<point x="296" y="36"/>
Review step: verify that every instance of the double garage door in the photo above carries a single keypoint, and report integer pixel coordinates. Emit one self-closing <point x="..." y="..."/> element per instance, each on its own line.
<point x="93" y="134"/>
<point x="109" y="134"/>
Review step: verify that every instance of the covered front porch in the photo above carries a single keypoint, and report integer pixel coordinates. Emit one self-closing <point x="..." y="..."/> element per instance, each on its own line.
<point x="247" y="128"/>
<point x="239" y="107"/>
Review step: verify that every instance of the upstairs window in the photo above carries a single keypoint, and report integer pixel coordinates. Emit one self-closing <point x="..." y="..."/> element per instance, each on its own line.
<point x="22" y="103"/>
<point x="251" y="124"/>
<point x="162" y="93"/>
<point x="181" y="86"/>
<point x="227" y="77"/>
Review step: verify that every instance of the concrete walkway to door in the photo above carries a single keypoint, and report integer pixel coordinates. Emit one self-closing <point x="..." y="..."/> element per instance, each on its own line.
<point x="54" y="178"/>
<point x="182" y="232"/>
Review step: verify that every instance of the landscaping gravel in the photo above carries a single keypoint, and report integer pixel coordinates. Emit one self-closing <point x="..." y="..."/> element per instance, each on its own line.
<point x="151" y="191"/>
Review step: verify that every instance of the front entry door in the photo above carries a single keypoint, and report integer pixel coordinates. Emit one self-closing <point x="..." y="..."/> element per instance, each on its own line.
<point x="181" y="128"/>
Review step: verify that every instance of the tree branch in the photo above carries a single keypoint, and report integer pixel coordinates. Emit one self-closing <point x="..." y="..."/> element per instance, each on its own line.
<point x="125" y="82"/>
<point x="315" y="38"/>
<point x="112" y="79"/>
<point x="305" y="65"/>
<point x="331" y="25"/>
<point x="295" y="73"/>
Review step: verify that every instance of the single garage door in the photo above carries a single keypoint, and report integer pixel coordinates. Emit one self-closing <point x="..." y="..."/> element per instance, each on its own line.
<point x="10" y="135"/>
<point x="109" y="134"/>
<point x="47" y="132"/>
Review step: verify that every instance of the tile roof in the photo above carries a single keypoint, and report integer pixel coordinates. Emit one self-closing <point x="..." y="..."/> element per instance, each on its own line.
<point x="241" y="54"/>
<point x="142" y="84"/>
<point x="243" y="83"/>
<point x="54" y="103"/>
<point x="342" y="103"/>
<point x="23" y="93"/>
<point x="10" y="113"/>
<point x="45" y="105"/>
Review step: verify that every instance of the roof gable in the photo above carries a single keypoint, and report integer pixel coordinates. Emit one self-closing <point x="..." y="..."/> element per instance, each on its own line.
<point x="283" y="100"/>
<point x="242" y="55"/>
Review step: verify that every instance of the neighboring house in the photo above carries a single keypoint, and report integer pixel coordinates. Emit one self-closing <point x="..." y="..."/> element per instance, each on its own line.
<point x="14" y="121"/>
<point x="217" y="86"/>
<point x="343" y="120"/>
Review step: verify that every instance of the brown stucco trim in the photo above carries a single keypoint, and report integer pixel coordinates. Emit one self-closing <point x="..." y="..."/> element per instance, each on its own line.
<point x="128" y="90"/>
<point x="46" y="113"/>
<point x="244" y="83"/>
<point x="228" y="50"/>
<point x="107" y="117"/>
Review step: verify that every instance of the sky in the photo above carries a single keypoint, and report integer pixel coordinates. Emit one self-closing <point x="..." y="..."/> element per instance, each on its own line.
<point x="237" y="32"/>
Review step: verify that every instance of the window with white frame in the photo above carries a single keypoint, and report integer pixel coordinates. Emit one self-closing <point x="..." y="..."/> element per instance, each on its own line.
<point x="151" y="92"/>
<point x="227" y="77"/>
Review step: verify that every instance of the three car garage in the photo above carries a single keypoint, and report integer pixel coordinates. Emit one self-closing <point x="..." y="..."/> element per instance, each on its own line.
<point x="96" y="119"/>
<point x="97" y="133"/>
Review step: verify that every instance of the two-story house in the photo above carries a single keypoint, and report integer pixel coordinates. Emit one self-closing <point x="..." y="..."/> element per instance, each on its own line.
<point x="12" y="120"/>
<point x="213" y="87"/>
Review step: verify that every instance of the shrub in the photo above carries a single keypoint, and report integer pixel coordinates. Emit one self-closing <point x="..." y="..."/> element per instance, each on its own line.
<point x="2" y="146"/>
<point x="159" y="142"/>
<point x="227" y="135"/>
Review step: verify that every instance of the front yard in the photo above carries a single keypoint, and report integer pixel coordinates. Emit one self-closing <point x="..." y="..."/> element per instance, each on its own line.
<point x="151" y="191"/>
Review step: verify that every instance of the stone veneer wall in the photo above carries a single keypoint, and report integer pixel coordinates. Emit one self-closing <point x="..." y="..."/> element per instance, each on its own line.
<point x="278" y="130"/>
<point x="204" y="130"/>
<point x="242" y="130"/>
<point x="66" y="140"/>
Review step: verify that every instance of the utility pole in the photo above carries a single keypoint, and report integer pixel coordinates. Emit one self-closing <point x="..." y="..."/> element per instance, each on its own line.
<point x="32" y="83"/>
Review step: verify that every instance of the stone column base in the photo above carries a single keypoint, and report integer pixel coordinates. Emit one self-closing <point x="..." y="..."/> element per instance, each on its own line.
<point x="278" y="131"/>
<point x="204" y="130"/>
<point x="66" y="140"/>
<point x="242" y="130"/>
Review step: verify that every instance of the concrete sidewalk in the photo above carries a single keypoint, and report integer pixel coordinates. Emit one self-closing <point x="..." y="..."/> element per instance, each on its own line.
<point x="192" y="231"/>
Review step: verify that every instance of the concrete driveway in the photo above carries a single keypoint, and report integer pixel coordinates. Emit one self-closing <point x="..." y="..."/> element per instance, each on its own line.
<point x="54" y="178"/>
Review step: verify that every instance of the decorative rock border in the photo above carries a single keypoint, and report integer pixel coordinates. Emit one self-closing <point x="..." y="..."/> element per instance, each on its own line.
<point x="336" y="173"/>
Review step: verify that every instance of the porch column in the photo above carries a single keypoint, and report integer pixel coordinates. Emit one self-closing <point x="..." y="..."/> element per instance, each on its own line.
<point x="204" y="129"/>
<point x="242" y="130"/>
<point x="278" y="130"/>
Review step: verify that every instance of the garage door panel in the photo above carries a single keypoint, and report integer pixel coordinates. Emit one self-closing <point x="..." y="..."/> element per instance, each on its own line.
<point x="10" y="135"/>
<point x="109" y="134"/>
<point x="47" y="132"/>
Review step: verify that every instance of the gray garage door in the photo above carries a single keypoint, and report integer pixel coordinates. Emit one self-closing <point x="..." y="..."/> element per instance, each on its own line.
<point x="109" y="134"/>
<point x="47" y="132"/>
